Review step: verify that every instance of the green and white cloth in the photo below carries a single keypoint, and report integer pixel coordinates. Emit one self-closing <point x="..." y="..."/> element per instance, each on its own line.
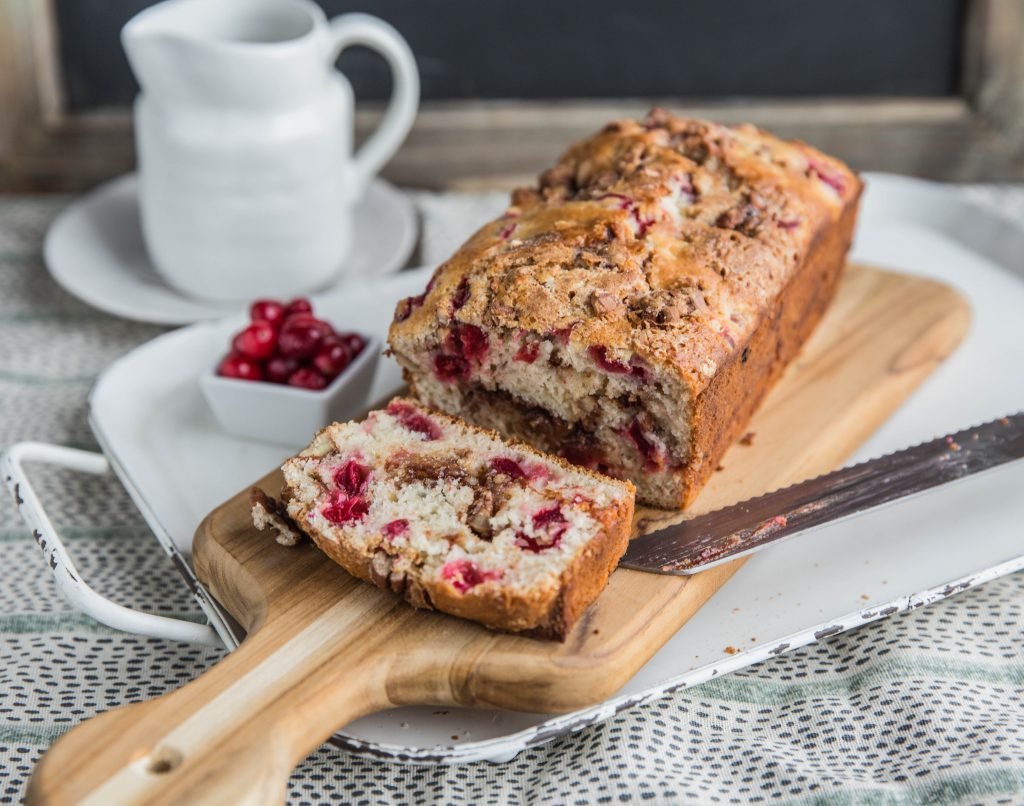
<point x="926" y="707"/>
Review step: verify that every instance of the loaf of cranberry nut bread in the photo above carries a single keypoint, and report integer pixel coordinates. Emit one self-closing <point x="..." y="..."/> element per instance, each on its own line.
<point x="452" y="517"/>
<point x="632" y="310"/>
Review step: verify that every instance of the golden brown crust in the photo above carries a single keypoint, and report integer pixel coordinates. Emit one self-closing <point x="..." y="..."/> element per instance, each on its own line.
<point x="596" y="230"/>
<point x="722" y="410"/>
<point x="589" y="574"/>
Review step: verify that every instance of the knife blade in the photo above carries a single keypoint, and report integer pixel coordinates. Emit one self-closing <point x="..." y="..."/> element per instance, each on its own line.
<point x="752" y="525"/>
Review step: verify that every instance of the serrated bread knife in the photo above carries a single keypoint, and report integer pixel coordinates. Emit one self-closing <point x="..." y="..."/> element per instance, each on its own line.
<point x="752" y="525"/>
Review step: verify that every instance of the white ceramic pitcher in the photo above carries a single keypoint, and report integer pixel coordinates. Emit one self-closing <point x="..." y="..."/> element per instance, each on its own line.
<point x="244" y="138"/>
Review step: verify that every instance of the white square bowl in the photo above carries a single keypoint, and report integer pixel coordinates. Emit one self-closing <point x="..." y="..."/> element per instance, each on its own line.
<point x="288" y="415"/>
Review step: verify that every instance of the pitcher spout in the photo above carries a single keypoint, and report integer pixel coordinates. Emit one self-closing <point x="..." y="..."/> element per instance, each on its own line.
<point x="227" y="53"/>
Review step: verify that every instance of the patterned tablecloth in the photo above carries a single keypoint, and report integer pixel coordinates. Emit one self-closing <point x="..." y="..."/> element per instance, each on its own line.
<point x="926" y="707"/>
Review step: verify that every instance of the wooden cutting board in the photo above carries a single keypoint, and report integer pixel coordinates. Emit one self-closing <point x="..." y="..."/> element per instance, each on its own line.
<point x="324" y="649"/>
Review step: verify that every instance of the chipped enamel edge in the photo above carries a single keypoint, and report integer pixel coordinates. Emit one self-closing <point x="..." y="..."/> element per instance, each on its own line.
<point x="67" y="577"/>
<point x="507" y="746"/>
<point x="229" y="632"/>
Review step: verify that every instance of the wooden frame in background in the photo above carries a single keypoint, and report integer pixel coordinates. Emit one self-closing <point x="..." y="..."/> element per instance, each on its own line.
<point x="977" y="136"/>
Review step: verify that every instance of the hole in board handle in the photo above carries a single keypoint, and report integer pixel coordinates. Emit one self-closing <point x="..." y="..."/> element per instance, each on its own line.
<point x="161" y="760"/>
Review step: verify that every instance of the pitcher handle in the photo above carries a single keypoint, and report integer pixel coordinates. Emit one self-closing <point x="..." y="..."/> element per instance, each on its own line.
<point x="363" y="29"/>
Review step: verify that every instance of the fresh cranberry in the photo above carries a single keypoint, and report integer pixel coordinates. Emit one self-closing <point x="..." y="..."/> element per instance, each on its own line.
<point x="581" y="455"/>
<point x="395" y="528"/>
<point x="307" y="378"/>
<point x="600" y="355"/>
<point x="527" y="352"/>
<point x="240" y="367"/>
<point x="686" y="189"/>
<point x="279" y="369"/>
<point x="467" y="341"/>
<point x="506" y="231"/>
<point x="466" y="574"/>
<point x="625" y="202"/>
<point x="351" y="477"/>
<point x="406" y="306"/>
<point x="414" y="420"/>
<point x="342" y="508"/>
<point x="354" y="341"/>
<point x="538" y="471"/>
<point x="628" y="203"/>
<point x="450" y="368"/>
<point x="298" y="305"/>
<point x="653" y="453"/>
<point x="549" y="523"/>
<point x="510" y="226"/>
<point x="638" y="371"/>
<point x="510" y="467"/>
<point x="562" y="334"/>
<point x="827" y="174"/>
<point x="326" y="331"/>
<point x="300" y="337"/>
<point x="256" y="341"/>
<point x="461" y="294"/>
<point x="530" y="544"/>
<point x="642" y="224"/>
<point x="550" y="519"/>
<point x="332" y="359"/>
<point x="267" y="310"/>
<point x="535" y="546"/>
<point x="474" y="342"/>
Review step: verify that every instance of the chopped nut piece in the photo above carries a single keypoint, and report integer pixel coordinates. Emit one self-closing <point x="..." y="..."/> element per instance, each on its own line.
<point x="268" y="513"/>
<point x="604" y="303"/>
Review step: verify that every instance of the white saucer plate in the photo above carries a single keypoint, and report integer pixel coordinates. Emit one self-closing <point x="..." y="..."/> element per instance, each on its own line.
<point x="154" y="426"/>
<point x="94" y="250"/>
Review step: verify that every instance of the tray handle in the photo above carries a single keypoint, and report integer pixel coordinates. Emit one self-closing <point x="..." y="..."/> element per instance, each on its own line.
<point x="69" y="580"/>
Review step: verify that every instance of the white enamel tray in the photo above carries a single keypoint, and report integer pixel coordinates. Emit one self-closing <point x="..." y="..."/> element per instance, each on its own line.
<point x="161" y="440"/>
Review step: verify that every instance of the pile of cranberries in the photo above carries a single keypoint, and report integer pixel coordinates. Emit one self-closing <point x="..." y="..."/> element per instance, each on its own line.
<point x="285" y="343"/>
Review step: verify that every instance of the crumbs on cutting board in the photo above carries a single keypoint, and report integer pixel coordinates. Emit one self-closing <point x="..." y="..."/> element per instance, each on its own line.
<point x="731" y="650"/>
<point x="747" y="438"/>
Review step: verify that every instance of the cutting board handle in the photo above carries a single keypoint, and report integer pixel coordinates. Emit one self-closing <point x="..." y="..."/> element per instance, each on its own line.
<point x="234" y="734"/>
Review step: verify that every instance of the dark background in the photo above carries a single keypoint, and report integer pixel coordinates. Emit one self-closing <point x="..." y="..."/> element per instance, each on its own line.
<point x="543" y="49"/>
